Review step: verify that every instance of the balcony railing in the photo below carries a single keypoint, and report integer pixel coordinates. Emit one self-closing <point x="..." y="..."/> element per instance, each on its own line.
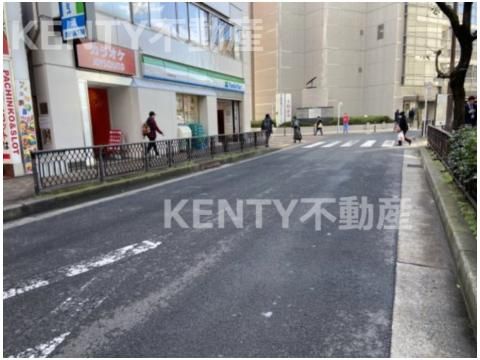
<point x="67" y="167"/>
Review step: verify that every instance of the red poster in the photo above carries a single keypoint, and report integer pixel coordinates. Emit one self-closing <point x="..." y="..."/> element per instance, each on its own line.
<point x="110" y="58"/>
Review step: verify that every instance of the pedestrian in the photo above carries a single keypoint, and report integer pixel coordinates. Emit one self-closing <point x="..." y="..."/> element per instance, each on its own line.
<point x="397" y="116"/>
<point x="319" y="126"/>
<point x="403" y="125"/>
<point x="411" y="116"/>
<point x="471" y="111"/>
<point x="267" y="127"/>
<point x="297" y="132"/>
<point x="150" y="130"/>
<point x="346" y="122"/>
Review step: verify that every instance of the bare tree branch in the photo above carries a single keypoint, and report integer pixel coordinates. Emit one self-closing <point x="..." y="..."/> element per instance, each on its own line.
<point x="452" y="16"/>
<point x="440" y="73"/>
<point x="467" y="15"/>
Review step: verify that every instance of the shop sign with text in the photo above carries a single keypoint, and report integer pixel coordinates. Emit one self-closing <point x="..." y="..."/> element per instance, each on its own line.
<point x="162" y="69"/>
<point x="103" y="57"/>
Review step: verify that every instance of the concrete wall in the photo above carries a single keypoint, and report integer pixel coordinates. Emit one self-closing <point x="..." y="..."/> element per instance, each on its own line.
<point x="208" y="114"/>
<point x="125" y="113"/>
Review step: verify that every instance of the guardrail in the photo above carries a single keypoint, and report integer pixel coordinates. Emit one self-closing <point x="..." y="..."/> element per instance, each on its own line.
<point x="66" y="167"/>
<point x="439" y="142"/>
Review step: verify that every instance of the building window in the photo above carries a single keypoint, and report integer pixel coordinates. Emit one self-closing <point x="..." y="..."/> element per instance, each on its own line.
<point x="214" y="31"/>
<point x="187" y="108"/>
<point x="226" y="38"/>
<point x="380" y="32"/>
<point x="163" y="17"/>
<point x="194" y="23"/>
<point x="238" y="43"/>
<point x="119" y="10"/>
<point x="141" y="13"/>
<point x="182" y="20"/>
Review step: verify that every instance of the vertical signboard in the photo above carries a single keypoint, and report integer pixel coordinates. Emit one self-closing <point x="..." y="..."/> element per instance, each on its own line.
<point x="72" y="15"/>
<point x="11" y="139"/>
<point x="26" y="122"/>
<point x="288" y="107"/>
<point x="283" y="108"/>
<point x="6" y="50"/>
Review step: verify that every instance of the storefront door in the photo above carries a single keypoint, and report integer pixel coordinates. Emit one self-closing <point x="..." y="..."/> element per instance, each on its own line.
<point x="221" y="122"/>
<point x="100" y="115"/>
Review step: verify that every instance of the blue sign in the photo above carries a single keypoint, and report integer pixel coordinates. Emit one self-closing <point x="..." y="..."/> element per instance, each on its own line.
<point x="74" y="20"/>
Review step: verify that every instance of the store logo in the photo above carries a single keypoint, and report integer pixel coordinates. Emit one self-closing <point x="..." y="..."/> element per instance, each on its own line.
<point x="233" y="86"/>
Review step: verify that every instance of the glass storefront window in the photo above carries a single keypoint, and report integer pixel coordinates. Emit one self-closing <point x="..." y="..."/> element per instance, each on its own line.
<point x="163" y="17"/>
<point x="187" y="108"/>
<point x="119" y="10"/>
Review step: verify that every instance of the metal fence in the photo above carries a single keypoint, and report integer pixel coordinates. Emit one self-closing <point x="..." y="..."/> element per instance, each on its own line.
<point x="439" y="141"/>
<point x="61" y="168"/>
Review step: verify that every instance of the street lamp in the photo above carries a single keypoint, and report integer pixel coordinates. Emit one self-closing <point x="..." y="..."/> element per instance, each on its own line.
<point x="339" y="105"/>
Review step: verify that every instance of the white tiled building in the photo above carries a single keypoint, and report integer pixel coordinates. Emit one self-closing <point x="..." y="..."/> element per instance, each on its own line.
<point x="373" y="57"/>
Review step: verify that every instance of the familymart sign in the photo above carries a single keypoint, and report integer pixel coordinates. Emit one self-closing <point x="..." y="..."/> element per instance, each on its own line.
<point x="155" y="68"/>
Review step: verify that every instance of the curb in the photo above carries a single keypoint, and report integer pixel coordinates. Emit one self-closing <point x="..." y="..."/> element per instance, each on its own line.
<point x="461" y="241"/>
<point x="31" y="207"/>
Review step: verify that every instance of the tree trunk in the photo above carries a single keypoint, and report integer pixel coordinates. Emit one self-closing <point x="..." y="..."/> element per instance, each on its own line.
<point x="458" y="93"/>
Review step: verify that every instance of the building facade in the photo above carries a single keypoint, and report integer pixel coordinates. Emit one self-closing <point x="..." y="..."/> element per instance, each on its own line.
<point x="184" y="61"/>
<point x="373" y="58"/>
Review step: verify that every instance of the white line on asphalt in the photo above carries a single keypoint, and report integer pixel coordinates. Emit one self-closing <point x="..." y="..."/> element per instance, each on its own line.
<point x="42" y="216"/>
<point x="83" y="267"/>
<point x="368" y="143"/>
<point x="388" y="143"/>
<point x="350" y="143"/>
<point x="43" y="350"/>
<point x="314" y="145"/>
<point x="331" y="144"/>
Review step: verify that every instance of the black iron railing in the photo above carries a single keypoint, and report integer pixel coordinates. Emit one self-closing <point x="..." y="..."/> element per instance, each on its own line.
<point x="66" y="167"/>
<point x="439" y="142"/>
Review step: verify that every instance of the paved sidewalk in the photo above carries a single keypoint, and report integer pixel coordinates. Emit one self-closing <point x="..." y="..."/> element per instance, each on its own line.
<point x="16" y="189"/>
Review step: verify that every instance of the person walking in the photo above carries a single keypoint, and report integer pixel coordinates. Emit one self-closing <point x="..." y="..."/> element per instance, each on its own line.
<point x="346" y="122"/>
<point x="396" y="116"/>
<point x="150" y="130"/>
<point x="403" y="124"/>
<point x="297" y="132"/>
<point x="319" y="126"/>
<point x="411" y="116"/>
<point x="471" y="111"/>
<point x="267" y="127"/>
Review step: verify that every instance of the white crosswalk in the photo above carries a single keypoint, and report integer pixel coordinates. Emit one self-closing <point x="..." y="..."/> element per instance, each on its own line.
<point x="351" y="143"/>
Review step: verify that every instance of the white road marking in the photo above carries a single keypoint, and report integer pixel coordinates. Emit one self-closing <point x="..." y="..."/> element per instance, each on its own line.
<point x="314" y="145"/>
<point x="331" y="144"/>
<point x="43" y="350"/>
<point x="388" y="143"/>
<point x="368" y="143"/>
<point x="349" y="143"/>
<point x="83" y="267"/>
<point x="267" y="314"/>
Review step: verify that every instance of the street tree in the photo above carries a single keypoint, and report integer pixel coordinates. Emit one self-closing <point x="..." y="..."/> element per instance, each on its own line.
<point x="465" y="37"/>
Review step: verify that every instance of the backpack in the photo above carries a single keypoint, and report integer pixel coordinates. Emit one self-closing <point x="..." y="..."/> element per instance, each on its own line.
<point x="145" y="129"/>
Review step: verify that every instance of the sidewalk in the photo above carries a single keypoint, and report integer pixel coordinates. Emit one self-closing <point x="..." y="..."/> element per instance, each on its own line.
<point x="16" y="189"/>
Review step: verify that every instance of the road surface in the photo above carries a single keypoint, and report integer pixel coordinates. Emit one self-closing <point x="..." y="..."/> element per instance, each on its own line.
<point x="109" y="279"/>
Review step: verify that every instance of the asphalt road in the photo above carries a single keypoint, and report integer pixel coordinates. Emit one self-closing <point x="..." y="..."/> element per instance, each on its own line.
<point x="110" y="280"/>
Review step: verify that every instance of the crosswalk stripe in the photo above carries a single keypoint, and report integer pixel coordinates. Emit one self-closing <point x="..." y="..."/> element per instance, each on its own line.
<point x="314" y="145"/>
<point x="331" y="144"/>
<point x="349" y="143"/>
<point x="388" y="143"/>
<point x="368" y="143"/>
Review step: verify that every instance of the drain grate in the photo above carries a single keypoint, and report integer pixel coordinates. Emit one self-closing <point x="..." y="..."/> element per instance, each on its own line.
<point x="415" y="165"/>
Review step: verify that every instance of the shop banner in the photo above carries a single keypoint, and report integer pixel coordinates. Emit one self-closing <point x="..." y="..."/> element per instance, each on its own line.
<point x="6" y="50"/>
<point x="26" y="122"/>
<point x="11" y="140"/>
<point x="169" y="70"/>
<point x="110" y="58"/>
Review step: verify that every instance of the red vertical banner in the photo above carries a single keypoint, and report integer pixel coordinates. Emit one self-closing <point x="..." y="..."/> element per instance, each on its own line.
<point x="6" y="50"/>
<point x="11" y="139"/>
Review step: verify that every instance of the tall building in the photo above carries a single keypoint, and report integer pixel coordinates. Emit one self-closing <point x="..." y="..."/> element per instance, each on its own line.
<point x="184" y="61"/>
<point x="373" y="58"/>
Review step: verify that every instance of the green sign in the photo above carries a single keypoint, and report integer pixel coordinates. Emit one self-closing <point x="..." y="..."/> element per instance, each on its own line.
<point x="161" y="69"/>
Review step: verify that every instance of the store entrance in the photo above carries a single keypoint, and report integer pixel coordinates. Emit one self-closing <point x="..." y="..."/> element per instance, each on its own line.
<point x="221" y="122"/>
<point x="100" y="115"/>
<point x="228" y="116"/>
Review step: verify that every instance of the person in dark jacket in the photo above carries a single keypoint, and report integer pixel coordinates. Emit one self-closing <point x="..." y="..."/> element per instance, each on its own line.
<point x="471" y="112"/>
<point x="403" y="124"/>
<point x="267" y="127"/>
<point x="319" y="126"/>
<point x="397" y="116"/>
<point x="297" y="131"/>
<point x="152" y="135"/>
